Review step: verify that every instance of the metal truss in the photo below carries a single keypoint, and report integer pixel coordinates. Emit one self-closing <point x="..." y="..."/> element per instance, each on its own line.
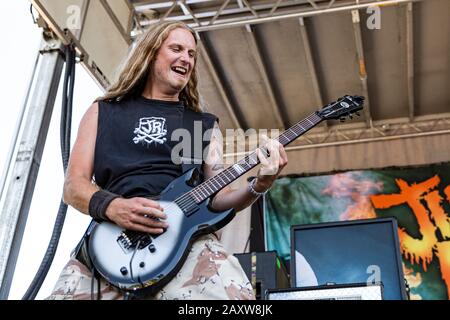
<point x="380" y="131"/>
<point x="385" y="130"/>
<point x="204" y="15"/>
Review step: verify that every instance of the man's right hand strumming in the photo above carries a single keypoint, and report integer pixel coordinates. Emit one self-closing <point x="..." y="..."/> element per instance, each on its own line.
<point x="138" y="214"/>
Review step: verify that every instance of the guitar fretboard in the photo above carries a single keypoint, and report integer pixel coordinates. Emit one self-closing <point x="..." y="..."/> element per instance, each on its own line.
<point x="227" y="176"/>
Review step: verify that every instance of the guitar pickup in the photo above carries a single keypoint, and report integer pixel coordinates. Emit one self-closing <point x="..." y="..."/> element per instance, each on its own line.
<point x="190" y="210"/>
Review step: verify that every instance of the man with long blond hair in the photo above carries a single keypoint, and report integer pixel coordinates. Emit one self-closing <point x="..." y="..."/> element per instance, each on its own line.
<point x="122" y="160"/>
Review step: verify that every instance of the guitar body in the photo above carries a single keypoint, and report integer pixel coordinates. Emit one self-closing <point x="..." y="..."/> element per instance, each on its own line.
<point x="156" y="259"/>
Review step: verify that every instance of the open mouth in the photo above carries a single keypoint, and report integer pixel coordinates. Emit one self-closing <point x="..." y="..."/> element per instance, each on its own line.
<point x="180" y="70"/>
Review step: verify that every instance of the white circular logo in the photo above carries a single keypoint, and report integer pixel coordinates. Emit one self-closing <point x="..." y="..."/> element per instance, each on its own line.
<point x="344" y="104"/>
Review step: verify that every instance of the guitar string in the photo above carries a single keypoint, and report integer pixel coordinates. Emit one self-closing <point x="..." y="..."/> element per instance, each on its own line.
<point x="186" y="199"/>
<point x="201" y="192"/>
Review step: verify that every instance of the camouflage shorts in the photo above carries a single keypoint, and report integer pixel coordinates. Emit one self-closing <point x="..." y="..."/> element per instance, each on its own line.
<point x="208" y="273"/>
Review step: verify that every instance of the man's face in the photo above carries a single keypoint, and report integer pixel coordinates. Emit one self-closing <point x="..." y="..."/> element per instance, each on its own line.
<point x="175" y="61"/>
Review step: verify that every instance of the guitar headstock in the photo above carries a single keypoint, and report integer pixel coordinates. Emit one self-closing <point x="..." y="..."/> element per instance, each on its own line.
<point x="344" y="107"/>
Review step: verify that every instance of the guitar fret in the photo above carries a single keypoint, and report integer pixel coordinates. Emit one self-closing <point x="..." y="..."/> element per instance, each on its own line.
<point x="300" y="129"/>
<point x="291" y="130"/>
<point x="195" y="193"/>
<point x="224" y="179"/>
<point x="192" y="193"/>
<point x="290" y="135"/>
<point x="209" y="188"/>
<point x="253" y="158"/>
<point x="238" y="168"/>
<point x="282" y="140"/>
<point x="230" y="174"/>
<point x="214" y="182"/>
<point x="204" y="194"/>
<point x="207" y="185"/>
<point x="199" y="193"/>
<point x="221" y="180"/>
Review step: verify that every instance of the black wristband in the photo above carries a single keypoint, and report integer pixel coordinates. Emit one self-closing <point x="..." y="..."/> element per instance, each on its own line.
<point x="98" y="204"/>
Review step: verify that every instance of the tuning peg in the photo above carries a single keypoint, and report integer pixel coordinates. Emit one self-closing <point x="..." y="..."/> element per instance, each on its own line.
<point x="358" y="114"/>
<point x="358" y="99"/>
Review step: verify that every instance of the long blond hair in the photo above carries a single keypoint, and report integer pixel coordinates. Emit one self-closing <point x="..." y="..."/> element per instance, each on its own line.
<point x="134" y="74"/>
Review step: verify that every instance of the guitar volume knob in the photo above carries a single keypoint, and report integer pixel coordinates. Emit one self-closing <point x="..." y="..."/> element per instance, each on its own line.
<point x="123" y="271"/>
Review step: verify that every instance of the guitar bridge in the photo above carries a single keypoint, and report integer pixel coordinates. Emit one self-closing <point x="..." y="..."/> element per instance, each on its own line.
<point x="130" y="240"/>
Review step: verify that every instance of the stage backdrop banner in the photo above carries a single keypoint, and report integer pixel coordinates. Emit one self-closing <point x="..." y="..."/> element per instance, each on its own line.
<point x="418" y="197"/>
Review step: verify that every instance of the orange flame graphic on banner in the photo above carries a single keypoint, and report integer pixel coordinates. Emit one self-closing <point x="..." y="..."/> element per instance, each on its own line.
<point x="431" y="219"/>
<point x="343" y="185"/>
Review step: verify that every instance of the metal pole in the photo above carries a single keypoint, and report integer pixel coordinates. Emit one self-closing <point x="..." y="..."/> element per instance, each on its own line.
<point x="362" y="65"/>
<point x="24" y="168"/>
<point x="15" y="136"/>
<point x="410" y="59"/>
<point x="229" y="23"/>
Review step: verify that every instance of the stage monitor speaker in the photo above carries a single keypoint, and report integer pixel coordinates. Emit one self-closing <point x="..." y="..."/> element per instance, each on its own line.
<point x="264" y="270"/>
<point x="356" y="291"/>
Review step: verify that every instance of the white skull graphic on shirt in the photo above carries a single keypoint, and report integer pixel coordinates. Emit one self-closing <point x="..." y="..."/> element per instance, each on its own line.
<point x="151" y="129"/>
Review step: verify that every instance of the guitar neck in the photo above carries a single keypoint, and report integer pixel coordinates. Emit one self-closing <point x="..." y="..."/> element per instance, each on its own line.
<point x="227" y="176"/>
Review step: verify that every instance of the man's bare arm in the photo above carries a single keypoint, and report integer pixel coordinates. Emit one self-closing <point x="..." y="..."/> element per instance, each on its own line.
<point x="79" y="188"/>
<point x="78" y="185"/>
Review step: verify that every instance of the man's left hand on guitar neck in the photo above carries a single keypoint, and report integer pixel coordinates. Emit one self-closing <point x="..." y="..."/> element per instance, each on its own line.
<point x="271" y="165"/>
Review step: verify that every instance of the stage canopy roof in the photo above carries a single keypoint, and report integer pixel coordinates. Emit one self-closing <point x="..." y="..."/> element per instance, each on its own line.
<point x="270" y="63"/>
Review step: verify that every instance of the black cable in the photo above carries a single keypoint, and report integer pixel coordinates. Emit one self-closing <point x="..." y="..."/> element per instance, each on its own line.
<point x="63" y="122"/>
<point x="128" y="295"/>
<point x="248" y="241"/>
<point x="32" y="14"/>
<point x="92" y="283"/>
<point x="70" y="103"/>
<point x="94" y="277"/>
<point x="99" y="295"/>
<point x="65" y="128"/>
<point x="132" y="258"/>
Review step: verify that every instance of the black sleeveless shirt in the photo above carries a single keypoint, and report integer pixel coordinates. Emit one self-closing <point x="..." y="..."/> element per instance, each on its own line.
<point x="134" y="146"/>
